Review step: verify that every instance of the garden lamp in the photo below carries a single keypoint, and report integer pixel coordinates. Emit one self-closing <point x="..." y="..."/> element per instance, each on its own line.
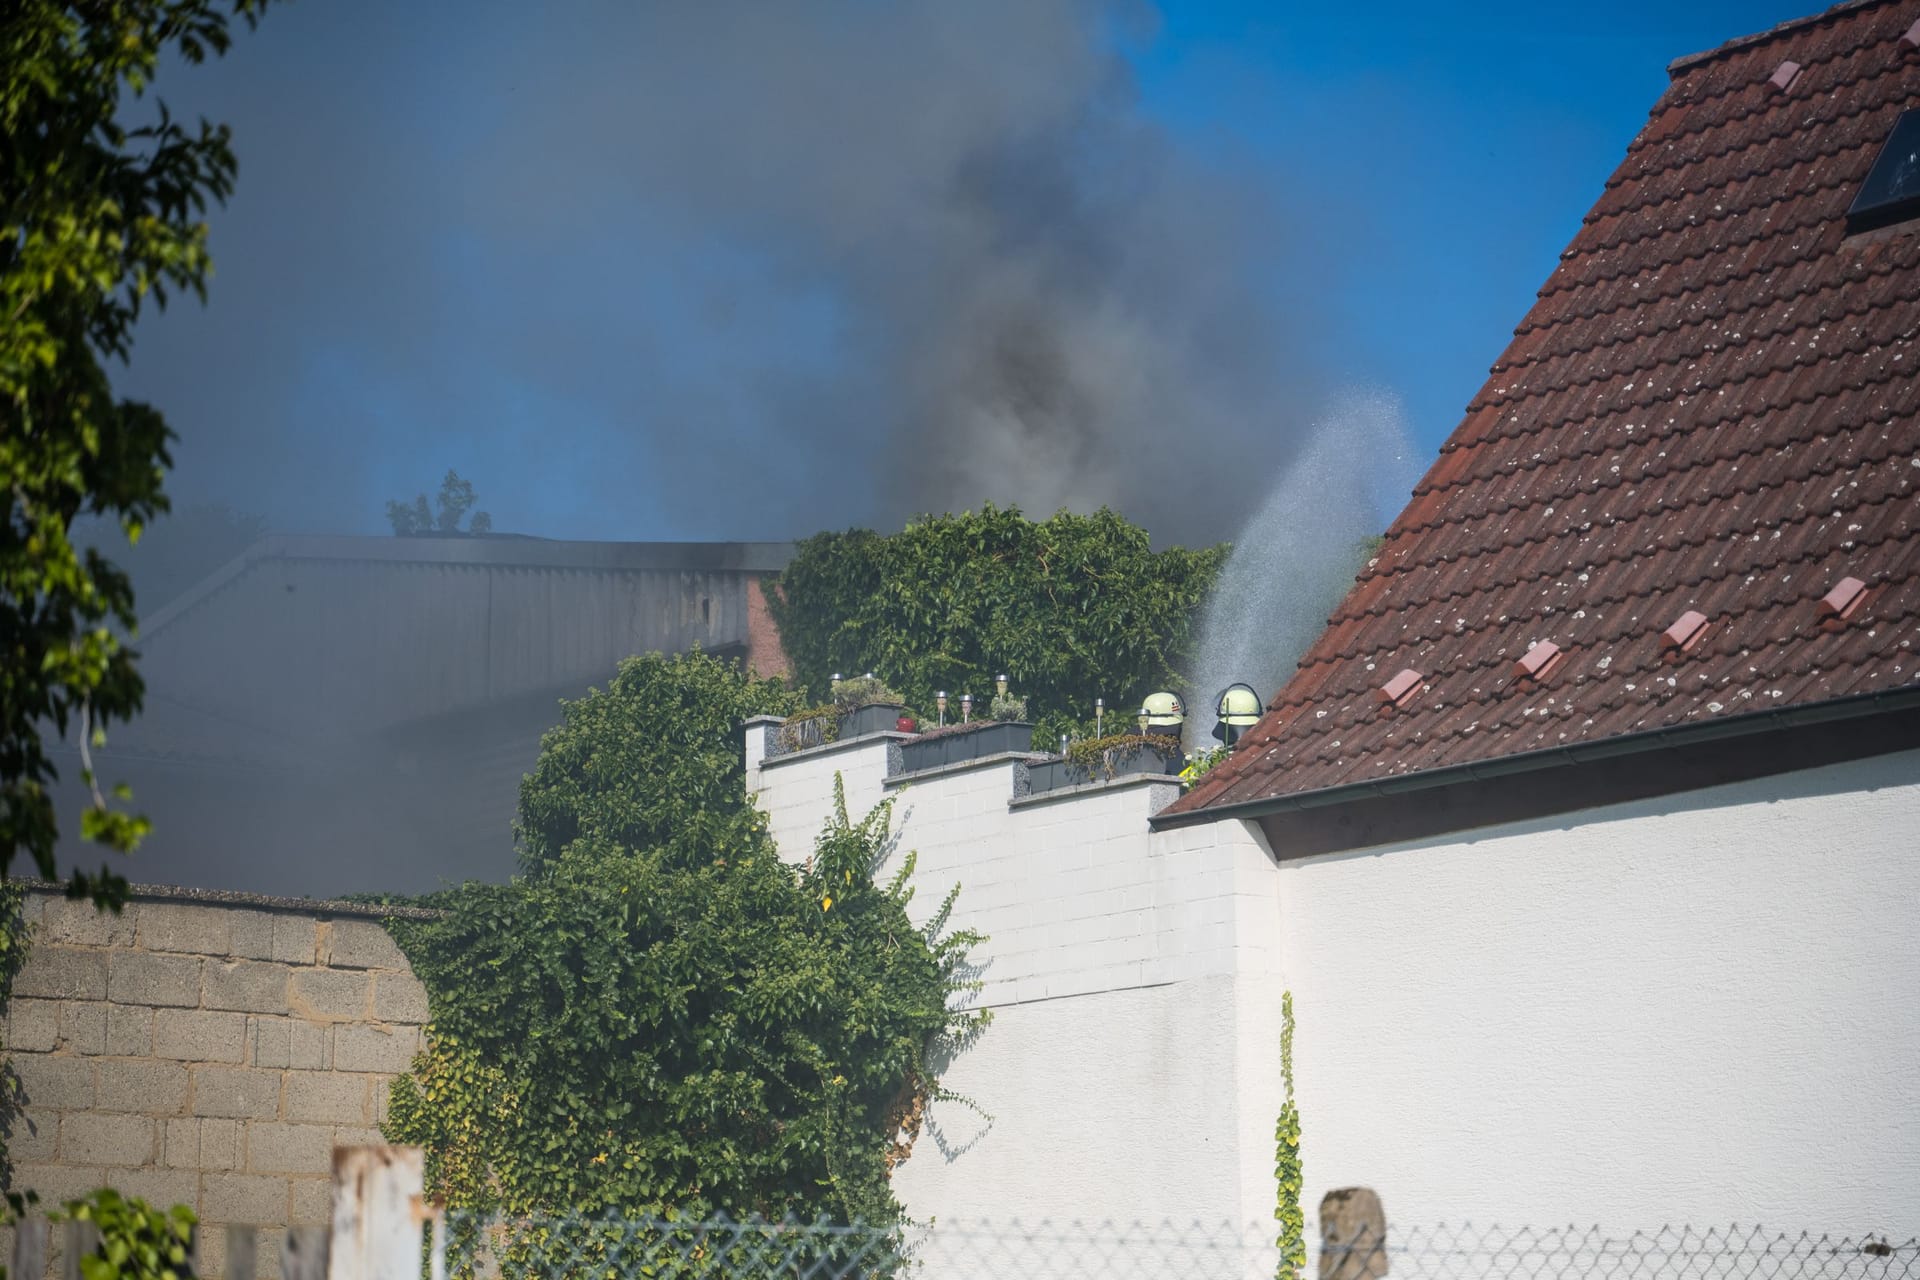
<point x="1099" y="715"/>
<point x="1239" y="710"/>
<point x="966" y="708"/>
<point x="940" y="700"/>
<point x="1000" y="685"/>
<point x="1142" y="719"/>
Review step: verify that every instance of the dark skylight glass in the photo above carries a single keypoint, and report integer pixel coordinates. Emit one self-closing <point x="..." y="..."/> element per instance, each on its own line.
<point x="1891" y="192"/>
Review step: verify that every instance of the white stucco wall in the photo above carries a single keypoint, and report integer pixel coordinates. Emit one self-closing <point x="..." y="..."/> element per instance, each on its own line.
<point x="1128" y="973"/>
<point x="1704" y="1008"/>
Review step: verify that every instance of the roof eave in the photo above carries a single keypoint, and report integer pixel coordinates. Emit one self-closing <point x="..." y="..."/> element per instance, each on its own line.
<point x="1854" y="706"/>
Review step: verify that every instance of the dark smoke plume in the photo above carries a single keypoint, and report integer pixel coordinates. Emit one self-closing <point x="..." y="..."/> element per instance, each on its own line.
<point x="728" y="270"/>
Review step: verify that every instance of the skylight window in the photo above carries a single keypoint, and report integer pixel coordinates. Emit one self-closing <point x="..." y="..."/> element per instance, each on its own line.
<point x="1891" y="192"/>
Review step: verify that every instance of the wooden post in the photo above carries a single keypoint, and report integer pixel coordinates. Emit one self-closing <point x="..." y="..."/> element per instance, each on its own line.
<point x="82" y="1238"/>
<point x="1353" y="1235"/>
<point x="243" y="1245"/>
<point x="30" y="1249"/>
<point x="378" y="1211"/>
<point x="303" y="1254"/>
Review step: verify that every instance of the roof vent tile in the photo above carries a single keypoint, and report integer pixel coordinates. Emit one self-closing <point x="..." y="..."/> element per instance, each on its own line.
<point x="1399" y="691"/>
<point x="1912" y="38"/>
<point x="1784" y="75"/>
<point x="1686" y="632"/>
<point x="1538" y="660"/>
<point x="1844" y="600"/>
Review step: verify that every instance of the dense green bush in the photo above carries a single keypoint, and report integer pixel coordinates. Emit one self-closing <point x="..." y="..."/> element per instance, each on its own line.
<point x="1071" y="608"/>
<point x="651" y="762"/>
<point x="666" y="1017"/>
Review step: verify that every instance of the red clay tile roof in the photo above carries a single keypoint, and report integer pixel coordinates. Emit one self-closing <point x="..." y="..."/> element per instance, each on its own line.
<point x="1712" y="406"/>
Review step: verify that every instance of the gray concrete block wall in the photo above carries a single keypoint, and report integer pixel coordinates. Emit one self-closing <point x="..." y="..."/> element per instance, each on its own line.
<point x="205" y="1053"/>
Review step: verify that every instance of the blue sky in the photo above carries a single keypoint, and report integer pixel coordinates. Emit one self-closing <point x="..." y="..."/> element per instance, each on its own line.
<point x="645" y="273"/>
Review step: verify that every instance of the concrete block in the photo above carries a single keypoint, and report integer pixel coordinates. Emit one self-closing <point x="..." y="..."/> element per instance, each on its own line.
<point x="161" y="1188"/>
<point x="296" y="939"/>
<point x="57" y="1183"/>
<point x="399" y="997"/>
<point x="273" y="1147"/>
<point x="83" y="1027"/>
<point x="152" y="1088"/>
<point x="357" y="1136"/>
<point x="236" y="1092"/>
<point x="285" y="1042"/>
<point x="33" y="1026"/>
<point x="140" y="977"/>
<point x="34" y="1138"/>
<point x="222" y="1144"/>
<point x="386" y="1050"/>
<point x="327" y="1097"/>
<point x="59" y="1082"/>
<point x="188" y="927"/>
<point x="251" y="934"/>
<point x="124" y="1141"/>
<point x="310" y="1202"/>
<point x="253" y="985"/>
<point x="66" y="921"/>
<point x="129" y="1031"/>
<point x="180" y="1144"/>
<point x="362" y="944"/>
<point x="199" y="1035"/>
<point x="240" y="1197"/>
<point x="328" y="995"/>
<point x="61" y="973"/>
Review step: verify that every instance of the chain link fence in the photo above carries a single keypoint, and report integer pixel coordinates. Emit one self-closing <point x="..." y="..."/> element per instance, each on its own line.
<point x="724" y="1249"/>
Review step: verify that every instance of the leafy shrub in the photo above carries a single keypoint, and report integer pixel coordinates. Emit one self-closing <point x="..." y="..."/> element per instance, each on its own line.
<point x="664" y="1016"/>
<point x="1072" y="608"/>
<point x="861" y="691"/>
<point x="651" y="762"/>
<point x="1006" y="706"/>
<point x="642" y="1033"/>
<point x="137" y="1241"/>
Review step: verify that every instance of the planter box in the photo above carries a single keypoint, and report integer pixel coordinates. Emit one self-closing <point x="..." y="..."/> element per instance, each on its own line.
<point x="992" y="738"/>
<point x="872" y="718"/>
<point x="1063" y="773"/>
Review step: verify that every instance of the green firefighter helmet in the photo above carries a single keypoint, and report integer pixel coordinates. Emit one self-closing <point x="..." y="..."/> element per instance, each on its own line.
<point x="1164" y="711"/>
<point x="1238" y="707"/>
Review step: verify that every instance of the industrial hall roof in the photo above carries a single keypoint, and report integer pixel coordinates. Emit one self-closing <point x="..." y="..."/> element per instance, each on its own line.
<point x="1687" y="494"/>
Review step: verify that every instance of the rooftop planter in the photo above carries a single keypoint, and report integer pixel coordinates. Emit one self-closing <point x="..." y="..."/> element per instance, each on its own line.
<point x="958" y="743"/>
<point x="860" y="706"/>
<point x="1118" y="755"/>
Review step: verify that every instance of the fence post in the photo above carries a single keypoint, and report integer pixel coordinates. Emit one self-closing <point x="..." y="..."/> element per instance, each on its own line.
<point x="378" y="1210"/>
<point x="82" y="1238"/>
<point x="1353" y="1235"/>
<point x="242" y="1252"/>
<point x="30" y="1249"/>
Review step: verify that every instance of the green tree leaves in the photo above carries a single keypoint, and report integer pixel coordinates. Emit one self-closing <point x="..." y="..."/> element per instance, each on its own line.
<point x="96" y="218"/>
<point x="1071" y="608"/>
<point x="652" y="762"/>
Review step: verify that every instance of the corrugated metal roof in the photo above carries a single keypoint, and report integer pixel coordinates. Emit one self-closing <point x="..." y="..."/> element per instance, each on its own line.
<point x="1712" y="406"/>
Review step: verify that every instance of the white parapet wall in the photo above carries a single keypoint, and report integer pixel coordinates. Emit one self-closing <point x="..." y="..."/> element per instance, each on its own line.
<point x="1131" y="1069"/>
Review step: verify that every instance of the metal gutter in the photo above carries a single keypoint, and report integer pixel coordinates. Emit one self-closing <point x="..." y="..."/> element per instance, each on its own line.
<point x="1668" y="737"/>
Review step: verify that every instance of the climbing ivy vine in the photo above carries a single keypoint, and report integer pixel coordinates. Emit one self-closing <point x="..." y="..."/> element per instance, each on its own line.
<point x="1290" y="1183"/>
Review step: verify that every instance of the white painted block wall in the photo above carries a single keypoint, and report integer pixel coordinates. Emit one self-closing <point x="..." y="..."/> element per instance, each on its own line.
<point x="1130" y="975"/>
<point x="1701" y="1009"/>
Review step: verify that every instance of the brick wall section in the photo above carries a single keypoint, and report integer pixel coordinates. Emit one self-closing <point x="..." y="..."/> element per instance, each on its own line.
<point x="209" y="1054"/>
<point x="764" y="652"/>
